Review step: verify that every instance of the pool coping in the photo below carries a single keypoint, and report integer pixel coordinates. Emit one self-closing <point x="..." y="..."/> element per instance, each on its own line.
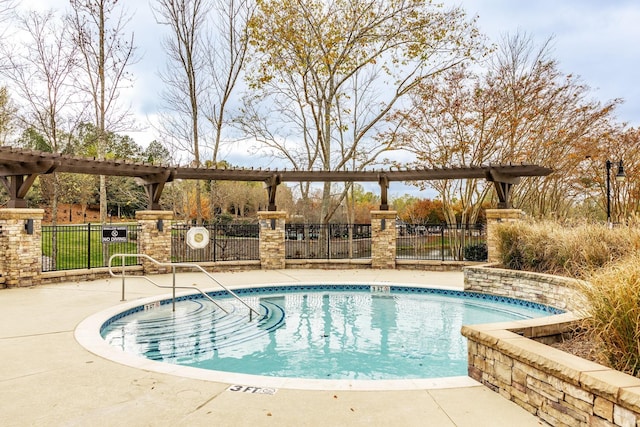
<point x="87" y="334"/>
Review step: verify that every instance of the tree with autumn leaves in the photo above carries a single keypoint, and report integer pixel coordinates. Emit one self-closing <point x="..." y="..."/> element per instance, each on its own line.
<point x="324" y="76"/>
<point x="519" y="108"/>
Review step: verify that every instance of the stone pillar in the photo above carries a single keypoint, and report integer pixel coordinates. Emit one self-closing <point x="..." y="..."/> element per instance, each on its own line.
<point x="383" y="239"/>
<point x="155" y="239"/>
<point x="20" y="247"/>
<point x="272" y="254"/>
<point x="495" y="217"/>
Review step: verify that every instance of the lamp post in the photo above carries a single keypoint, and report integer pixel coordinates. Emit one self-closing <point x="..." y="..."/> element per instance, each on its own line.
<point x="620" y="177"/>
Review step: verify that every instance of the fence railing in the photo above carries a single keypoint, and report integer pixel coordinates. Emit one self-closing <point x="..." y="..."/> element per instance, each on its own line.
<point x="441" y="242"/>
<point x="327" y="241"/>
<point x="69" y="247"/>
<point x="227" y="242"/>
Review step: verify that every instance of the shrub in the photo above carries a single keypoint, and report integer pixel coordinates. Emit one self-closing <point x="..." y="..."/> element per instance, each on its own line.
<point x="476" y="252"/>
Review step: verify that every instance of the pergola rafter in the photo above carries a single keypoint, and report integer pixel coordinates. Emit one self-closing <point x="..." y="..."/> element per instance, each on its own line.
<point x="19" y="168"/>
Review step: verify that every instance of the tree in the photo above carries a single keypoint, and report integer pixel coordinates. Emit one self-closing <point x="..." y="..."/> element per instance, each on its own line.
<point x="622" y="143"/>
<point x="99" y="33"/>
<point x="451" y="122"/>
<point x="156" y="153"/>
<point x="225" y="57"/>
<point x="327" y="73"/>
<point x="185" y="48"/>
<point x="52" y="108"/>
<point x="204" y="66"/>
<point x="423" y="211"/>
<point x="124" y="194"/>
<point x="6" y="14"/>
<point x="7" y="115"/>
<point x="547" y="118"/>
<point x="225" y="61"/>
<point x="520" y="109"/>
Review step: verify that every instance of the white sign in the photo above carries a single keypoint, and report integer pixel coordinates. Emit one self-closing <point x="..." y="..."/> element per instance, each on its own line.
<point x="197" y="237"/>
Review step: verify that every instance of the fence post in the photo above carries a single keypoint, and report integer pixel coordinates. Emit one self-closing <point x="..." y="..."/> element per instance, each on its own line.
<point x="155" y="239"/>
<point x="88" y="246"/>
<point x="214" y="231"/>
<point x="442" y="239"/>
<point x="383" y="239"/>
<point x="495" y="217"/>
<point x="20" y="247"/>
<point x="272" y="239"/>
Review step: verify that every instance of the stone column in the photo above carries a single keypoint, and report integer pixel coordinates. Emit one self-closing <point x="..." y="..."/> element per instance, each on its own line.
<point x="155" y="239"/>
<point x="383" y="239"/>
<point x="495" y="217"/>
<point x="272" y="254"/>
<point x="20" y="247"/>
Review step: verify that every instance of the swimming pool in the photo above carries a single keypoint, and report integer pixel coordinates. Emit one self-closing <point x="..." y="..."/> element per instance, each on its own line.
<point x="336" y="332"/>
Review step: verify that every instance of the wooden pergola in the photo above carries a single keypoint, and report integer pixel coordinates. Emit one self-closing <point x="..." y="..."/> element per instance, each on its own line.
<point x="19" y="169"/>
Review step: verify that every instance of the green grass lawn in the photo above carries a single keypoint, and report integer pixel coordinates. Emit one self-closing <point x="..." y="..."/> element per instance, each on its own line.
<point x="76" y="249"/>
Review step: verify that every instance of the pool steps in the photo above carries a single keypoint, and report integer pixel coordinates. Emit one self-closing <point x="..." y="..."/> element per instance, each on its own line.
<point x="214" y="331"/>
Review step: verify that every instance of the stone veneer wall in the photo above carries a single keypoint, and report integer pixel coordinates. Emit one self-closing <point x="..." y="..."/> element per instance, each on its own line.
<point x="20" y="252"/>
<point x="154" y="242"/>
<point x="383" y="239"/>
<point x="556" y="291"/>
<point x="272" y="245"/>
<point x="558" y="387"/>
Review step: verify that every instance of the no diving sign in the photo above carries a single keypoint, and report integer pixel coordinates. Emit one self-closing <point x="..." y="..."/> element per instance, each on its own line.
<point x="114" y="234"/>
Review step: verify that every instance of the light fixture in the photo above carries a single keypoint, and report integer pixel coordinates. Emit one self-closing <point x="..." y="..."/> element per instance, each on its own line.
<point x="620" y="177"/>
<point x="28" y="226"/>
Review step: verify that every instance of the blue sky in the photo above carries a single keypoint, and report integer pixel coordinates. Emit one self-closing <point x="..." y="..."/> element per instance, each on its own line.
<point x="594" y="39"/>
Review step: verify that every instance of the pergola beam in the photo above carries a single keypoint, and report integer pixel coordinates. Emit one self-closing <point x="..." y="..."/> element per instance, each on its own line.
<point x="19" y="168"/>
<point x="18" y="177"/>
<point x="384" y="186"/>
<point x="503" y="184"/>
<point x="271" y="184"/>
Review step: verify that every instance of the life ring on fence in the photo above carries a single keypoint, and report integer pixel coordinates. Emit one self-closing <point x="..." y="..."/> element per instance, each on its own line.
<point x="197" y="237"/>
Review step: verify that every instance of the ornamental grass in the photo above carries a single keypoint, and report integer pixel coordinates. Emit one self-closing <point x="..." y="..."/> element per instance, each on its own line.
<point x="612" y="313"/>
<point x="608" y="261"/>
<point x="566" y="250"/>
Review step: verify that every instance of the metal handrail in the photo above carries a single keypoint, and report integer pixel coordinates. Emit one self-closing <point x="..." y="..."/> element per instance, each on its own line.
<point x="173" y="286"/>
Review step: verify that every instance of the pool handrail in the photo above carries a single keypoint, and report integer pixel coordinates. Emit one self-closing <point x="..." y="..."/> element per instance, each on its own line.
<point x="173" y="266"/>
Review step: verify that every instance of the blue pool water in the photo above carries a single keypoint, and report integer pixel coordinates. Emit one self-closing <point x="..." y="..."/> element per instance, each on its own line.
<point x="318" y="331"/>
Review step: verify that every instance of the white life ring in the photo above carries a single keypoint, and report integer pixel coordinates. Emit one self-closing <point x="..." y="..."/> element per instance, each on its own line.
<point x="197" y="237"/>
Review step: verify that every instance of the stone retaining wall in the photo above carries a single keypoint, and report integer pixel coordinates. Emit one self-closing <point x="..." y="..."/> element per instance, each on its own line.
<point x="560" y="388"/>
<point x="556" y="291"/>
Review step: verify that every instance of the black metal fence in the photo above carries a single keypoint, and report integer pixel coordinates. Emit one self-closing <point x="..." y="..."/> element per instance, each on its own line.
<point x="227" y="242"/>
<point x="68" y="247"/>
<point x="441" y="242"/>
<point x="327" y="241"/>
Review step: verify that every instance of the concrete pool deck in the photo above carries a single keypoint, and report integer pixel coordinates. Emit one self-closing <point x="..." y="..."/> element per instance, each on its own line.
<point x="48" y="379"/>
